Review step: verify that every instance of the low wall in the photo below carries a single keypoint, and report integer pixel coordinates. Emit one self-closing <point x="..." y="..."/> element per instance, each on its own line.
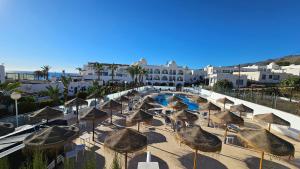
<point x="258" y="109"/>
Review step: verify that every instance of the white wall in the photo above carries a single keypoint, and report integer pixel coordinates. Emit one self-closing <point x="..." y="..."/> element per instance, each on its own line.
<point x="258" y="109"/>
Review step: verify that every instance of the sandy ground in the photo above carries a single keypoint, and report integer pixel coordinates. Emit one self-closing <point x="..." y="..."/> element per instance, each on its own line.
<point x="167" y="151"/>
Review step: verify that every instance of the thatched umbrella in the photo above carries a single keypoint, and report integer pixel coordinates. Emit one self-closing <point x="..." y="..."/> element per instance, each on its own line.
<point x="95" y="96"/>
<point x="146" y="106"/>
<point x="51" y="138"/>
<point x="264" y="141"/>
<point x="200" y="100"/>
<point x="178" y="105"/>
<point x="130" y="95"/>
<point x="149" y="99"/>
<point x="76" y="102"/>
<point x="126" y="141"/>
<point x="199" y="139"/>
<point x="210" y="106"/>
<point x="224" y="101"/>
<point x="6" y="128"/>
<point x="174" y="98"/>
<point x="123" y="99"/>
<point x="185" y="116"/>
<point x="93" y="115"/>
<point x="46" y="113"/>
<point x="135" y="92"/>
<point x="112" y="105"/>
<point x="227" y="117"/>
<point x="271" y="118"/>
<point x="140" y="116"/>
<point x="241" y="109"/>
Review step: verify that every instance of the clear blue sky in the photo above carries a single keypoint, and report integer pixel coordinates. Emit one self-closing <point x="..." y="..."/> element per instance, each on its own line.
<point x="68" y="33"/>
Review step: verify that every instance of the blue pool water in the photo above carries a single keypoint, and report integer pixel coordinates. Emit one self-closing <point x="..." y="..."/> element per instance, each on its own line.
<point x="163" y="100"/>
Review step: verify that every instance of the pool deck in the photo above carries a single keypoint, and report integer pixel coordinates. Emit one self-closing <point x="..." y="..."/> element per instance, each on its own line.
<point x="167" y="151"/>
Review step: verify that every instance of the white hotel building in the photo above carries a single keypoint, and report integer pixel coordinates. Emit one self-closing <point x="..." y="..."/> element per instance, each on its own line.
<point x="169" y="74"/>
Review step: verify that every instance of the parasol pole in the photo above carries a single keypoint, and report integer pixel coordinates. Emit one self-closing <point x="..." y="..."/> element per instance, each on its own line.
<point x="269" y="126"/>
<point x="225" y="134"/>
<point x="261" y="160"/>
<point x="208" y="117"/>
<point x="195" y="159"/>
<point x="138" y="125"/>
<point x="93" y="129"/>
<point x="126" y="160"/>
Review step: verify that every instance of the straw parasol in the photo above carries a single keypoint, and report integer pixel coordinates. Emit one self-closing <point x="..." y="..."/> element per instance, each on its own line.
<point x="227" y="117"/>
<point x="112" y="105"/>
<point x="126" y="141"/>
<point x="200" y="100"/>
<point x="51" y="138"/>
<point x="6" y="128"/>
<point x="149" y="99"/>
<point x="123" y="99"/>
<point x="76" y="102"/>
<point x="271" y="118"/>
<point x="146" y="106"/>
<point x="241" y="109"/>
<point x="130" y="95"/>
<point x="224" y="101"/>
<point x="178" y="105"/>
<point x="93" y="115"/>
<point x="135" y="92"/>
<point x="46" y="113"/>
<point x="264" y="141"/>
<point x="174" y="98"/>
<point x="185" y="116"/>
<point x="210" y="106"/>
<point x="199" y="139"/>
<point x="140" y="116"/>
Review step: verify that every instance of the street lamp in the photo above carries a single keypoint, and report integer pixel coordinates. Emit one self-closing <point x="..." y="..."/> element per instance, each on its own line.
<point x="16" y="96"/>
<point x="125" y="84"/>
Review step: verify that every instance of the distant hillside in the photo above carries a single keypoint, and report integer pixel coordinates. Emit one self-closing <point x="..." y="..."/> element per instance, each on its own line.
<point x="282" y="61"/>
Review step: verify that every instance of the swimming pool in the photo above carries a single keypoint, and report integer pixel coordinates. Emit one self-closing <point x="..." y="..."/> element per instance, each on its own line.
<point x="163" y="100"/>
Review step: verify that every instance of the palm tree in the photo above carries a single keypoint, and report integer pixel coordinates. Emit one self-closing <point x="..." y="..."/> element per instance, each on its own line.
<point x="79" y="69"/>
<point x="7" y="88"/>
<point x="98" y="67"/>
<point x="142" y="73"/>
<point x="45" y="70"/>
<point x="53" y="93"/>
<point x="134" y="71"/>
<point x="66" y="82"/>
<point x="113" y="67"/>
<point x="131" y="72"/>
<point x="38" y="74"/>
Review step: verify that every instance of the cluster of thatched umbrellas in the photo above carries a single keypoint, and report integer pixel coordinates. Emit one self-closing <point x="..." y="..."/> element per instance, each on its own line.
<point x="129" y="140"/>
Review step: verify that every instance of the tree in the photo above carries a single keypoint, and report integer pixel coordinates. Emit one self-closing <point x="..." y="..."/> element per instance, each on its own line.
<point x="38" y="74"/>
<point x="66" y="82"/>
<point x="113" y="67"/>
<point x="134" y="71"/>
<point x="142" y="73"/>
<point x="98" y="67"/>
<point x="223" y="85"/>
<point x="7" y="88"/>
<point x="79" y="69"/>
<point x="45" y="70"/>
<point x="290" y="84"/>
<point x="53" y="93"/>
<point x="116" y="163"/>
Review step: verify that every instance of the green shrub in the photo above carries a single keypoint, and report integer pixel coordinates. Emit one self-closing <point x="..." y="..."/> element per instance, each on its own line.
<point x="223" y="85"/>
<point x="45" y="103"/>
<point x="4" y="163"/>
<point x="82" y="95"/>
<point x="116" y="163"/>
<point x="90" y="160"/>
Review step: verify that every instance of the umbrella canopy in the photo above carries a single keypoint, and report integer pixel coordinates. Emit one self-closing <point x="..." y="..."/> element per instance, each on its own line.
<point x="149" y="99"/>
<point x="241" y="109"/>
<point x="130" y="94"/>
<point x="185" y="115"/>
<point x="225" y="101"/>
<point x="199" y="99"/>
<point x="140" y="116"/>
<point x="135" y="92"/>
<point x="174" y="99"/>
<point x="179" y="105"/>
<point x="112" y="105"/>
<point x="211" y="106"/>
<point x="6" y="128"/>
<point x="271" y="119"/>
<point x="146" y="106"/>
<point x="124" y="99"/>
<point x="126" y="141"/>
<point x="51" y="137"/>
<point x="46" y="113"/>
<point x="199" y="139"/>
<point x="94" y="114"/>
<point x="227" y="117"/>
<point x="265" y="141"/>
<point x="76" y="102"/>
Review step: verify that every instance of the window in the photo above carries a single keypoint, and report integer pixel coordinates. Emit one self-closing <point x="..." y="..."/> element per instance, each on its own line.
<point x="263" y="77"/>
<point x="276" y="77"/>
<point x="239" y="82"/>
<point x="270" y="76"/>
